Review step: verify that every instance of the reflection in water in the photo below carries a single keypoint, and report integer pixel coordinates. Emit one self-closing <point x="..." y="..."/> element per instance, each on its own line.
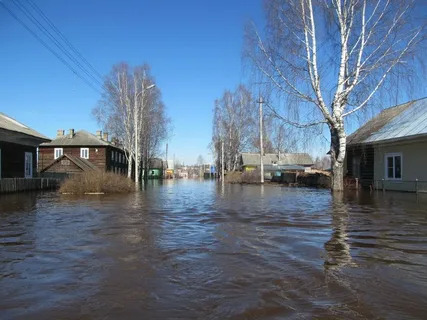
<point x="202" y="250"/>
<point x="337" y="248"/>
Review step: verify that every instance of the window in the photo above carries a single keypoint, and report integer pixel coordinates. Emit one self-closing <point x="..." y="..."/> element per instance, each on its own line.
<point x="28" y="165"/>
<point x="84" y="153"/>
<point x="58" y="152"/>
<point x="393" y="166"/>
<point x="112" y="155"/>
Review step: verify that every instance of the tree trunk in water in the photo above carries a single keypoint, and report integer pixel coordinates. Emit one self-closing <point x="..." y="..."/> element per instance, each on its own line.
<point x="130" y="167"/>
<point x="337" y="183"/>
<point x="337" y="152"/>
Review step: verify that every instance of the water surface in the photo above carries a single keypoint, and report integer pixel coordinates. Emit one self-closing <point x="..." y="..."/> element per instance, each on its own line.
<point x="197" y="250"/>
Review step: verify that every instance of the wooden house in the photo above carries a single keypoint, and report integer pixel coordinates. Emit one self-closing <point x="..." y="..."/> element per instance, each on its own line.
<point x="156" y="168"/>
<point x="77" y="152"/>
<point x="390" y="151"/>
<point x="273" y="161"/>
<point x="18" y="148"/>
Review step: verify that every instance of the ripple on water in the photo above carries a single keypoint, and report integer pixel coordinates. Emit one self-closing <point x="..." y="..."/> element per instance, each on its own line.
<point x="189" y="249"/>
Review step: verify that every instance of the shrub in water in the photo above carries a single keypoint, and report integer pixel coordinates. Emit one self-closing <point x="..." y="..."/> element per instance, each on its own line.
<point x="97" y="182"/>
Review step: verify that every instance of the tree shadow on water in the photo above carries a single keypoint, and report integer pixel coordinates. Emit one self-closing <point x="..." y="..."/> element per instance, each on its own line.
<point x="337" y="247"/>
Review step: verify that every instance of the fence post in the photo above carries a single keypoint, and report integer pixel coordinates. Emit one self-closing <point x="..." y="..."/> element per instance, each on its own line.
<point x="383" y="185"/>
<point x="416" y="185"/>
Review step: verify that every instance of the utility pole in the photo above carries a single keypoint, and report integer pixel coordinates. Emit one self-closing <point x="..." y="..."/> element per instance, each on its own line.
<point x="261" y="148"/>
<point x="222" y="161"/>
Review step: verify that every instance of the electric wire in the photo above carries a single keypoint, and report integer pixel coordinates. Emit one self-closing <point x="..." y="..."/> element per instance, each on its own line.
<point x="58" y="56"/>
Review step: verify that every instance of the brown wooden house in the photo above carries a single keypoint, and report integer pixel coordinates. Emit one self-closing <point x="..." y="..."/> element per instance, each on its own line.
<point x="18" y="148"/>
<point x="81" y="151"/>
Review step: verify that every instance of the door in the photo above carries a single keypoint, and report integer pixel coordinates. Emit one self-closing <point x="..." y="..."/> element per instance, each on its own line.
<point x="28" y="164"/>
<point x="356" y="166"/>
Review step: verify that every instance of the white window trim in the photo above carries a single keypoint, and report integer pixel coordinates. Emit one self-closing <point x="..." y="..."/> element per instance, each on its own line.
<point x="58" y="149"/>
<point x="82" y="153"/>
<point x="393" y="154"/>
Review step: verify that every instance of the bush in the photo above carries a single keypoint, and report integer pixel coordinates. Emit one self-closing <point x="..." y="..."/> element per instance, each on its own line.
<point x="233" y="177"/>
<point x="97" y="182"/>
<point x="253" y="176"/>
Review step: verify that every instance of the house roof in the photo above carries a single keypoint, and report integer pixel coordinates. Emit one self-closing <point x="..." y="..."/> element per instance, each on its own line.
<point x="252" y="159"/>
<point x="83" y="164"/>
<point x="155" y="163"/>
<point x="11" y="124"/>
<point x="80" y="138"/>
<point x="407" y="120"/>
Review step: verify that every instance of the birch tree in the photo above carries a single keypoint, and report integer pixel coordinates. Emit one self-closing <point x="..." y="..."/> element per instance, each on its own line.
<point x="132" y="110"/>
<point x="234" y="123"/>
<point x="115" y="110"/>
<point x="330" y="58"/>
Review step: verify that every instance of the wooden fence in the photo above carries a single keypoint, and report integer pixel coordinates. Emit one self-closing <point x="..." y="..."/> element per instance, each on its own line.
<point x="22" y="184"/>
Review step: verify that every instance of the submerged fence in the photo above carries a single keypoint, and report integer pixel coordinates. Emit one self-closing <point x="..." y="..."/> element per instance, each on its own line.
<point x="21" y="184"/>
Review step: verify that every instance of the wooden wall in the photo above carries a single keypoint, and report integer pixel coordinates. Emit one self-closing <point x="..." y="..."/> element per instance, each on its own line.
<point x="367" y="158"/>
<point x="13" y="159"/>
<point x="99" y="156"/>
<point x="64" y="166"/>
<point x="96" y="155"/>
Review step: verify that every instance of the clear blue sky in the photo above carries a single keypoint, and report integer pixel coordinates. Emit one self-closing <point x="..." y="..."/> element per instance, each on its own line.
<point x="194" y="49"/>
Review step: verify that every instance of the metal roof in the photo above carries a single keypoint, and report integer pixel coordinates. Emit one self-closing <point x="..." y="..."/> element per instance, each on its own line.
<point x="80" y="138"/>
<point x="11" y="124"/>
<point x="396" y="123"/>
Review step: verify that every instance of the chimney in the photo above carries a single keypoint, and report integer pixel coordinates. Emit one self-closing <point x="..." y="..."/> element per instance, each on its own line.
<point x="70" y="133"/>
<point x="59" y="133"/>
<point x="105" y="136"/>
<point x="99" y="134"/>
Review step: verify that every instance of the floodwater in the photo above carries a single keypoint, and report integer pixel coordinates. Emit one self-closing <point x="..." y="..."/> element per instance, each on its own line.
<point x="197" y="250"/>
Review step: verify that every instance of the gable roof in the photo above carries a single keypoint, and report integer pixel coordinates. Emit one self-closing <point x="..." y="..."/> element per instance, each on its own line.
<point x="80" y="138"/>
<point x="302" y="159"/>
<point x="83" y="164"/>
<point x="11" y="124"/>
<point x="399" y="122"/>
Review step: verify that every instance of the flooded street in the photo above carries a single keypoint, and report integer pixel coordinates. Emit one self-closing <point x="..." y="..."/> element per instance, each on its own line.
<point x="195" y="250"/>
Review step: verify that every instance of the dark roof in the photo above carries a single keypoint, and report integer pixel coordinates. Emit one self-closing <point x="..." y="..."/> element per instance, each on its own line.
<point x="252" y="159"/>
<point x="155" y="163"/>
<point x="402" y="121"/>
<point x="11" y="124"/>
<point x="80" y="138"/>
<point x="83" y="164"/>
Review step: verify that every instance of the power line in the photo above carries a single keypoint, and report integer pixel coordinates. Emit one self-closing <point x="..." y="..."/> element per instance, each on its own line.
<point x="49" y="35"/>
<point x="70" y="45"/>
<point x="35" y="35"/>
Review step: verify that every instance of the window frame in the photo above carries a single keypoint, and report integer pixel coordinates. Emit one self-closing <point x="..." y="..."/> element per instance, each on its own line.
<point x="393" y="155"/>
<point x="81" y="153"/>
<point x="58" y="149"/>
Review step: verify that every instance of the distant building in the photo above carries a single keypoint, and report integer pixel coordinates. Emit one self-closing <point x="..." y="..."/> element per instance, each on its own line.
<point x="81" y="151"/>
<point x="390" y="151"/>
<point x="155" y="168"/>
<point x="276" y="162"/>
<point x="18" y="148"/>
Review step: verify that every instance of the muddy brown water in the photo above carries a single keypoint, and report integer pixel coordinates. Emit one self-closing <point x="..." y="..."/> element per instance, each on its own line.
<point x="196" y="250"/>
